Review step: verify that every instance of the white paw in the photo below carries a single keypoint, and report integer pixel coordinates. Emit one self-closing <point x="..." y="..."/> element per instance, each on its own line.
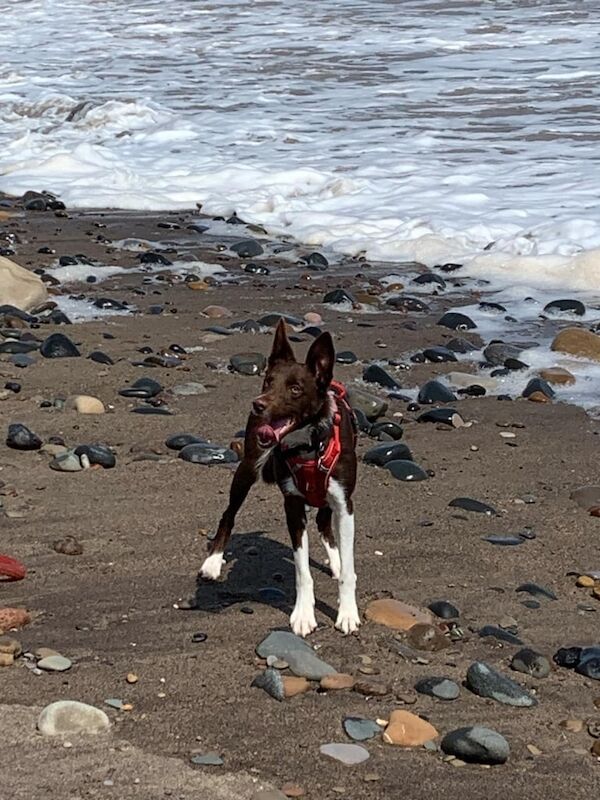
<point x="303" y="621"/>
<point x="348" y="620"/>
<point x="211" y="569"/>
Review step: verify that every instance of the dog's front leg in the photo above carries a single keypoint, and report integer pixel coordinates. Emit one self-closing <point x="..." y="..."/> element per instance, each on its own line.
<point x="243" y="480"/>
<point x="348" y="619"/>
<point x="302" y="620"/>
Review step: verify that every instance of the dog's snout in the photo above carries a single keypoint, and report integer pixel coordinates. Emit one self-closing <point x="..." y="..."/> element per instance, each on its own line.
<point x="259" y="405"/>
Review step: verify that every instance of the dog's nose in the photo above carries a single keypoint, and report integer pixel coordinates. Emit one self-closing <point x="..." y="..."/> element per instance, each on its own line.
<point x="259" y="405"/>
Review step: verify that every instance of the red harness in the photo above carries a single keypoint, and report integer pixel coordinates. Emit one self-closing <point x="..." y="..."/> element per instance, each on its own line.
<point x="311" y="475"/>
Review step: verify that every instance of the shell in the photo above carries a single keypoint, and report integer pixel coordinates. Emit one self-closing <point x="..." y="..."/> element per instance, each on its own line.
<point x="13" y="618"/>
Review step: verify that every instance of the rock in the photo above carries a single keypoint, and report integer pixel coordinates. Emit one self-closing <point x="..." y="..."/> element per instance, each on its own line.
<point x="370" y="405"/>
<point x="180" y="440"/>
<point x="531" y="663"/>
<point x="207" y="760"/>
<point x="10" y="568"/>
<point x="430" y="278"/>
<point x="55" y="663"/>
<point x="67" y="462"/>
<point x="191" y="389"/>
<point x="407" y="304"/>
<point x="463" y="380"/>
<point x="144" y="388"/>
<point x="96" y="454"/>
<point x="577" y="342"/>
<point x="572" y="725"/>
<point x="468" y="504"/>
<point x="371" y="688"/>
<point x="247" y="248"/>
<point x="293" y="686"/>
<point x="346" y="357"/>
<point x="439" y="354"/>
<point x="293" y="790"/>
<point x="86" y="404"/>
<point x="361" y="729"/>
<point x="435" y="392"/>
<point x="10" y="646"/>
<point x="312" y="318"/>
<point x="444" y="610"/>
<point x="216" y="312"/>
<point x="538" y="385"/>
<point x="499" y="633"/>
<point x="565" y="307"/>
<point x="206" y="453"/>
<point x="272" y="682"/>
<point x="299" y="655"/>
<point x="348" y="754"/>
<point x="395" y="614"/>
<point x="476" y="744"/>
<point x="515" y="365"/>
<point x="19" y="437"/>
<point x="487" y="682"/>
<point x="404" y="470"/>
<point x="248" y="363"/>
<point x="535" y="590"/>
<point x="584" y="660"/>
<point x="442" y="688"/>
<point x="445" y="416"/>
<point x="456" y="321"/>
<point x="424" y="636"/>
<point x="69" y="546"/>
<point x="6" y="659"/>
<point x="337" y="681"/>
<point x="384" y="453"/>
<point x="585" y="581"/>
<point x="558" y="376"/>
<point x="408" y="730"/>
<point x="496" y="353"/>
<point x="57" y="345"/>
<point x="339" y="297"/>
<point x="386" y="430"/>
<point x="100" y="358"/>
<point x="71" y="717"/>
<point x="376" y="374"/>
<point x="19" y="287"/>
<point x="316" y="261"/>
<point x="504" y="541"/>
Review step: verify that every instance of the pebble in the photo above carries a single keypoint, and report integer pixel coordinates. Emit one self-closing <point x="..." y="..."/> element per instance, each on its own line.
<point x="96" y="454"/>
<point x="408" y="730"/>
<point x="476" y="506"/>
<point x="558" y="376"/>
<point x="57" y="345"/>
<point x="337" y="681"/>
<point x="456" y="321"/>
<point x="361" y="729"/>
<point x="584" y="660"/>
<point x="371" y="688"/>
<point x="69" y="717"/>
<point x="144" y="388"/>
<point x="407" y="304"/>
<point x="435" y="392"/>
<point x="577" y="342"/>
<point x="442" y="688"/>
<point x="67" y="462"/>
<point x="100" y="358"/>
<point x="423" y="636"/>
<point x="6" y="659"/>
<point x="370" y="405"/>
<point x="404" y="470"/>
<point x="293" y="790"/>
<point x="55" y="663"/>
<point x="346" y="357"/>
<point x="19" y="437"/>
<point x="272" y="682"/>
<point x="499" y="633"/>
<point x="206" y="453"/>
<point x="565" y="307"/>
<point x="293" y="686"/>
<point x="248" y="363"/>
<point x="376" y="374"/>
<point x="444" y="610"/>
<point x="191" y="389"/>
<point x="496" y="353"/>
<point x="572" y="725"/>
<point x="536" y="385"/>
<point x="86" y="404"/>
<point x="395" y="614"/>
<point x="180" y="440"/>
<point x="504" y="541"/>
<point x="439" y="354"/>
<point x="531" y="663"/>
<point x="207" y="760"/>
<point x="476" y="744"/>
<point x="485" y="681"/>
<point x="348" y="754"/>
<point x="10" y="646"/>
<point x="382" y="454"/>
<point x="445" y="416"/>
<point x="386" y="430"/>
<point x="69" y="546"/>
<point x="536" y="590"/>
<point x="13" y="618"/>
<point x="299" y="655"/>
<point x="247" y="248"/>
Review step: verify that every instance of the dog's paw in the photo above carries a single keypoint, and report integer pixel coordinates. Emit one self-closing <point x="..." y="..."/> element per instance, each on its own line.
<point x="211" y="569"/>
<point x="348" y="620"/>
<point x="303" y="621"/>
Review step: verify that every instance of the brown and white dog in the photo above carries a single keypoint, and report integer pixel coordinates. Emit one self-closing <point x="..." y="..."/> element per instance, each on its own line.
<point x="301" y="406"/>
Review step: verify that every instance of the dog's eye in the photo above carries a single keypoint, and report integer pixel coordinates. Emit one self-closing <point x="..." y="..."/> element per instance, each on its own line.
<point x="295" y="390"/>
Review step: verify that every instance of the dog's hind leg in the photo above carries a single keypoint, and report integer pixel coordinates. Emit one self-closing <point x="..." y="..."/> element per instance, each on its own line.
<point x="348" y="619"/>
<point x="328" y="539"/>
<point x="244" y="479"/>
<point x="302" y="620"/>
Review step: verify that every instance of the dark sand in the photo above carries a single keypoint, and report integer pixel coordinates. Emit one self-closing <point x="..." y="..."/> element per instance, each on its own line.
<point x="112" y="609"/>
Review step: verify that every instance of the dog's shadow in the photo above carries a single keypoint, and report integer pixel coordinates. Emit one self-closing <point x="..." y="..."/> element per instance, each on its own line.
<point x="258" y="569"/>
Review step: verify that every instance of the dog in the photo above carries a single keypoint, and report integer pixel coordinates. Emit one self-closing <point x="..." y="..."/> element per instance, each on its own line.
<point x="301" y="434"/>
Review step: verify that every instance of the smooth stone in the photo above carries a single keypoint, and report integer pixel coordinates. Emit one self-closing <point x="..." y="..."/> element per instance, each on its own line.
<point x="406" y="471"/>
<point x="247" y="248"/>
<point x="19" y="287"/>
<point x="376" y="374"/>
<point x="445" y="416"/>
<point x="346" y="357"/>
<point x="256" y="269"/>
<point x="435" y="392"/>
<point x="339" y="297"/>
<point x="299" y="655"/>
<point x="144" y="388"/>
<point x="71" y="717"/>
<point x="293" y="685"/>
<point x="180" y="440"/>
<point x="384" y="453"/>
<point x="496" y="353"/>
<point x="442" y="688"/>
<point x="486" y="305"/>
<point x="55" y="663"/>
<point x="557" y="376"/>
<point x="476" y="744"/>
<point x="439" y="354"/>
<point x="86" y="404"/>
<point x="430" y="278"/>
<point x="100" y="358"/>
<point x="424" y="636"/>
<point x="577" y="342"/>
<point x="110" y="304"/>
<point x="499" y="633"/>
<point x="248" y="363"/>
<point x="456" y="321"/>
<point x="337" y="681"/>
<point x="536" y="590"/>
<point x="476" y="506"/>
<point x="206" y="453"/>
<point x="316" y="261"/>
<point x="538" y="385"/>
<point x="18" y="347"/>
<point x="395" y="614"/>
<point x="370" y="405"/>
<point x="207" y="760"/>
<point x="272" y="682"/>
<point x="407" y="304"/>
<point x="21" y="360"/>
<point x="408" y="730"/>
<point x="69" y="546"/>
<point x="361" y="729"/>
<point x="461" y="345"/>
<point x="584" y="660"/>
<point x="565" y="307"/>
<point x="386" y="430"/>
<point x="348" y="754"/>
<point x="272" y="319"/>
<point x="57" y="345"/>
<point x="464" y="380"/>
<point x="19" y="437"/>
<point x="66" y="462"/>
<point x="161" y="411"/>
<point x="444" y="610"/>
<point x="191" y="389"/>
<point x="515" y="365"/>
<point x="372" y="688"/>
<point x="531" y="663"/>
<point x="97" y="454"/>
<point x="503" y="541"/>
<point x="485" y="681"/>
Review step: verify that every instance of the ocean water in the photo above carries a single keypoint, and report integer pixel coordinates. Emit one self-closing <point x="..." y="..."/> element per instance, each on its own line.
<point x="460" y="130"/>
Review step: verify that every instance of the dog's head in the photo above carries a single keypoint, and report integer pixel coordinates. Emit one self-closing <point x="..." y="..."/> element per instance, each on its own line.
<point x="292" y="394"/>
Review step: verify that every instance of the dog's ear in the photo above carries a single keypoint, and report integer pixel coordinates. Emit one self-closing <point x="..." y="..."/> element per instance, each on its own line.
<point x="320" y="359"/>
<point x="282" y="349"/>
